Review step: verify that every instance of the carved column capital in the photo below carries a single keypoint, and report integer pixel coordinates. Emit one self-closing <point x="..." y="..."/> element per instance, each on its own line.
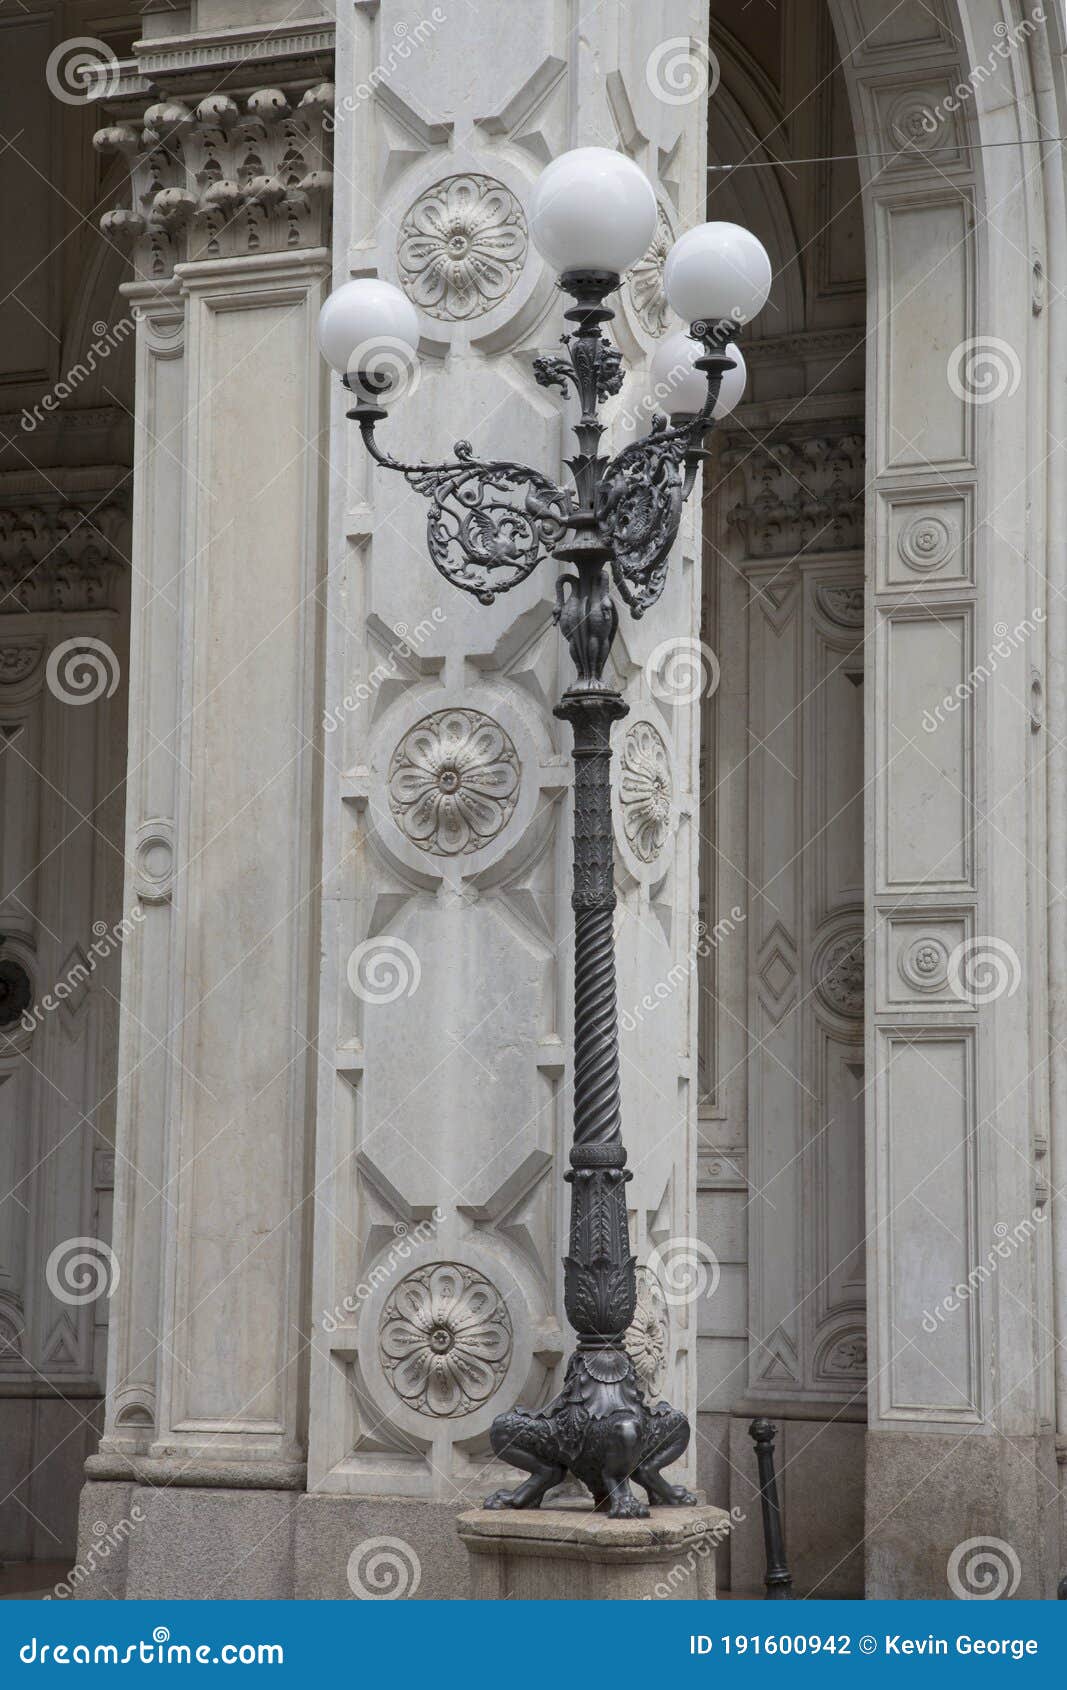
<point x="228" y="176"/>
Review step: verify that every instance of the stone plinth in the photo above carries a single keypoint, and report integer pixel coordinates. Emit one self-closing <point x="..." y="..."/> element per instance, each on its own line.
<point x="574" y="1554"/>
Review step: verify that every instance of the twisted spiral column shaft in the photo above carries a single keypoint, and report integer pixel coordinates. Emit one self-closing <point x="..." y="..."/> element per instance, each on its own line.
<point x="597" y="1101"/>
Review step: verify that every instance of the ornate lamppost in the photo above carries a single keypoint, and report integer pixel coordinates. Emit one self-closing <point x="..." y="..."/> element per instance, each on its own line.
<point x="490" y="524"/>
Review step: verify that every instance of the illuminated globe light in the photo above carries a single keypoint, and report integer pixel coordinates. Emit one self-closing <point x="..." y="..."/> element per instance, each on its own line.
<point x="592" y="209"/>
<point x="717" y="271"/>
<point x="369" y="328"/>
<point x="681" y="390"/>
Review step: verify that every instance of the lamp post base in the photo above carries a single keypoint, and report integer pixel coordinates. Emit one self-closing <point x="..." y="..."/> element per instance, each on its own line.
<point x="601" y="1430"/>
<point x="575" y="1554"/>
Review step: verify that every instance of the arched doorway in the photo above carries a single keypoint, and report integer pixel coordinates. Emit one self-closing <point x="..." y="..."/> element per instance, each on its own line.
<point x="946" y="1136"/>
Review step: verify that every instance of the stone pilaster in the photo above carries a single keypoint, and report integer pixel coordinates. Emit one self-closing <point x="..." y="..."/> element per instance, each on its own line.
<point x="226" y="219"/>
<point x="960" y="1447"/>
<point x="445" y="1038"/>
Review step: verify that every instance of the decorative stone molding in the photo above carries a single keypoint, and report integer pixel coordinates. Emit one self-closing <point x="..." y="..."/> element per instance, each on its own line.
<point x="800" y="495"/>
<point x="648" y="1338"/>
<point x="776" y="968"/>
<point x="842" y="1356"/>
<point x="454" y="782"/>
<point x="923" y="964"/>
<point x="838" y="972"/>
<point x="926" y="541"/>
<point x="445" y="1340"/>
<point x="18" y="662"/>
<point x="223" y="179"/>
<point x="837" y="344"/>
<point x="153" y="861"/>
<point x="462" y="246"/>
<point x="644" y="284"/>
<point x="67" y="557"/>
<point x="920" y="124"/>
<point x="842" y="604"/>
<point x="646" y="790"/>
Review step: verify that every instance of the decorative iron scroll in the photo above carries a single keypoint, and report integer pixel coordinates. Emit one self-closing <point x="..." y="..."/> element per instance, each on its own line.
<point x="639" y="508"/>
<point x="489" y="525"/>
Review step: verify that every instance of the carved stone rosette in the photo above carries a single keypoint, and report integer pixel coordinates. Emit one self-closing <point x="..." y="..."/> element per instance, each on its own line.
<point x="646" y="791"/>
<point x="462" y="247"/>
<point x="645" y="282"/>
<point x="453" y="782"/>
<point x="445" y="1340"/>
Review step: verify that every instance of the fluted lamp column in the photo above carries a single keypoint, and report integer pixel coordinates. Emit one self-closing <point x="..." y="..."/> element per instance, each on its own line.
<point x="490" y="524"/>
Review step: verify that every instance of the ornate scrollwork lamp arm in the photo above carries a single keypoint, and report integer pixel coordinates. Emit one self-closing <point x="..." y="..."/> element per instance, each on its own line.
<point x="642" y="491"/>
<point x="489" y="524"/>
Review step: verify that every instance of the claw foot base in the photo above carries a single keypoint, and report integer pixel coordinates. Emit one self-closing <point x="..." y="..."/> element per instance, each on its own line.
<point x="600" y="1430"/>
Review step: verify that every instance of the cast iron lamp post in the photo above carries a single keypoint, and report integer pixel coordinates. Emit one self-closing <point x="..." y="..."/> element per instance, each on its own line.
<point x="592" y="216"/>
